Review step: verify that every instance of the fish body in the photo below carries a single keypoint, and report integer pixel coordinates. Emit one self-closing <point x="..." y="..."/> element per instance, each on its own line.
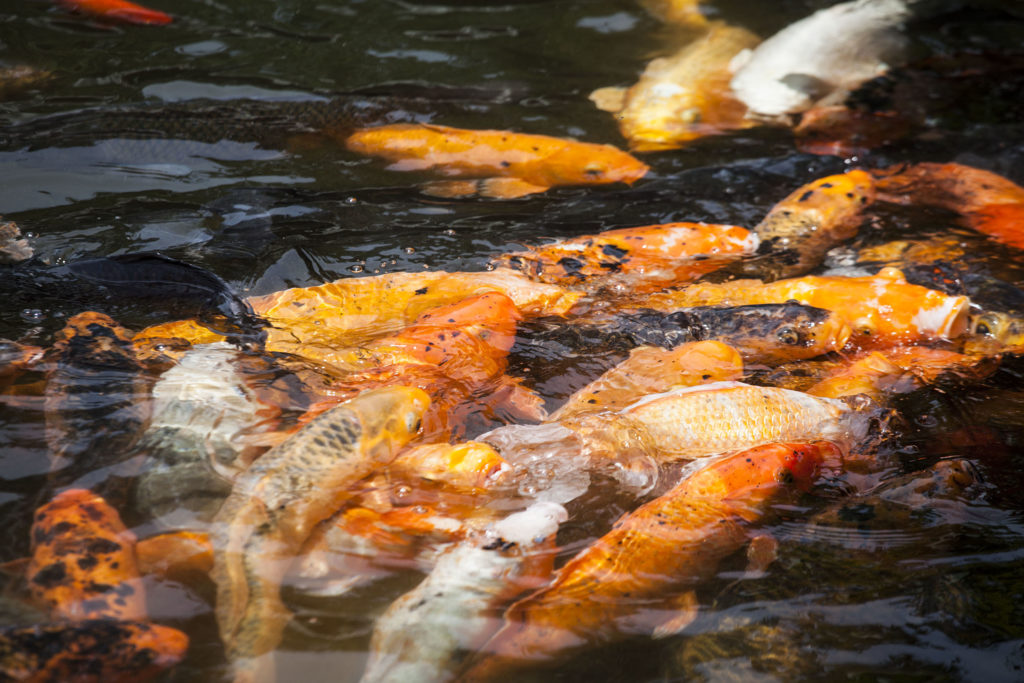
<point x="797" y="232"/>
<point x="632" y="578"/>
<point x="456" y="607"/>
<point x="720" y="417"/>
<point x="989" y="203"/>
<point x="516" y="164"/>
<point x="13" y="248"/>
<point x="92" y="651"/>
<point x="683" y="96"/>
<point x="831" y="51"/>
<point x="199" y="409"/>
<point x="465" y="465"/>
<point x="642" y="259"/>
<point x="119" y="10"/>
<point x="881" y="310"/>
<point x="354" y="311"/>
<point x="275" y="504"/>
<point x="650" y="370"/>
<point x="677" y="12"/>
<point x="83" y="560"/>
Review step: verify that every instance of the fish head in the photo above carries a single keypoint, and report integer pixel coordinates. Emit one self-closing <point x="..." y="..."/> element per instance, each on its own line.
<point x="788" y="331"/>
<point x="590" y="165"/>
<point x="470" y="463"/>
<point x="390" y="417"/>
<point x="803" y="461"/>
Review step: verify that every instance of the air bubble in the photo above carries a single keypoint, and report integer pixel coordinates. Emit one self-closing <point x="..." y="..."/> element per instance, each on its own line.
<point x="32" y="314"/>
<point x="356" y="269"/>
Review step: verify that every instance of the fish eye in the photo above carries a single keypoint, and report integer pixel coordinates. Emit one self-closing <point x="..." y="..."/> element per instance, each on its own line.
<point x="788" y="336"/>
<point x="691" y="115"/>
<point x="412" y="422"/>
<point x="594" y="169"/>
<point x="986" y="325"/>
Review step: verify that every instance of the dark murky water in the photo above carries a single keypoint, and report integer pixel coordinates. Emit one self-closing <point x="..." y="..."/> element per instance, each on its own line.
<point x="194" y="140"/>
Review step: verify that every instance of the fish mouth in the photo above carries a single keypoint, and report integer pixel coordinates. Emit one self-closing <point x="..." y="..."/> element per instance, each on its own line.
<point x="841" y="334"/>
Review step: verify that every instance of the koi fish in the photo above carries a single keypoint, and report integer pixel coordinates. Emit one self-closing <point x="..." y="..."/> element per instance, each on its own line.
<point x="797" y="232"/>
<point x="881" y="310"/>
<point x="453" y="609"/>
<point x="119" y="10"/>
<point x="651" y="370"/>
<point x="678" y="12"/>
<point x="843" y="131"/>
<point x="990" y="203"/>
<point x="703" y="420"/>
<point x="466" y="465"/>
<point x="509" y="164"/>
<point x="353" y="311"/>
<point x="640" y="576"/>
<point x="92" y="651"/>
<point x="13" y="248"/>
<point x="14" y="79"/>
<point x="275" y="504"/>
<point x="641" y="259"/>
<point x="683" y="96"/>
<point x="826" y="54"/>
<point x="83" y="562"/>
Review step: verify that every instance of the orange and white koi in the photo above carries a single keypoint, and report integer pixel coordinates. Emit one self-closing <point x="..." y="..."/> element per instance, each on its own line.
<point x="83" y="560"/>
<point x="119" y="10"/>
<point x="275" y="504"/>
<point x="683" y="96"/>
<point x="418" y="638"/>
<point x="641" y="259"/>
<point x="652" y="559"/>
<point x="881" y="310"/>
<point x="990" y="203"/>
<point x="510" y="164"/>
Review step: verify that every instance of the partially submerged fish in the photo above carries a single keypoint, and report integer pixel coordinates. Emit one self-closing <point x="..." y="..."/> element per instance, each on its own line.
<point x="881" y="310"/>
<point x="119" y="10"/>
<point x="466" y="465"/>
<point x="989" y="203"/>
<point x="457" y="606"/>
<point x="639" y="259"/>
<point x="83" y="560"/>
<point x="13" y="247"/>
<point x="275" y="504"/>
<point x="508" y="164"/>
<point x="683" y="96"/>
<point x="92" y="651"/>
<point x="652" y="370"/>
<point x="354" y="311"/>
<point x="678" y="12"/>
<point x="826" y="54"/>
<point x="640" y="576"/>
<point x="797" y="232"/>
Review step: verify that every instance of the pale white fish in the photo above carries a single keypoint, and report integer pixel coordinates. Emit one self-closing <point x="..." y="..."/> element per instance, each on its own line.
<point x="458" y="606"/>
<point x="825" y="54"/>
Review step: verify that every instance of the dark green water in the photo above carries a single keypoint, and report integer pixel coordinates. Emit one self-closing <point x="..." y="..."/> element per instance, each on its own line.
<point x="182" y="139"/>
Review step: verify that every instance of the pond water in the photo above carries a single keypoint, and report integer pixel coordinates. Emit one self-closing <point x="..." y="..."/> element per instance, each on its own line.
<point x="203" y="140"/>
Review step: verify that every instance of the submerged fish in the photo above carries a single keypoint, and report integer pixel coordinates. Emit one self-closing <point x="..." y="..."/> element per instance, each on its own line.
<point x="683" y="96"/>
<point x="354" y="311"/>
<point x="881" y="310"/>
<point x="826" y="54"/>
<point x="93" y="651"/>
<point x="275" y="504"/>
<point x="640" y="576"/>
<point x="13" y="248"/>
<point x="509" y="164"/>
<point x="797" y="232"/>
<point x="679" y="12"/>
<point x="83" y="560"/>
<point x="989" y="203"/>
<point x="651" y="370"/>
<point x="119" y="10"/>
<point x="638" y="259"/>
<point x="456" y="607"/>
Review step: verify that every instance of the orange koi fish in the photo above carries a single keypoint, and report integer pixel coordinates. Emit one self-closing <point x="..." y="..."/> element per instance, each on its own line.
<point x="881" y="310"/>
<point x="642" y="259"/>
<point x="354" y="311"/>
<point x="683" y="96"/>
<point x="797" y="232"/>
<point x="119" y="10"/>
<point x="509" y="164"/>
<point x="467" y="465"/>
<point x="276" y="503"/>
<point x="990" y="203"/>
<point x="640" y="576"/>
<point x="679" y="12"/>
<point x="93" y="651"/>
<point x="841" y="131"/>
<point x="652" y="370"/>
<point x="83" y="560"/>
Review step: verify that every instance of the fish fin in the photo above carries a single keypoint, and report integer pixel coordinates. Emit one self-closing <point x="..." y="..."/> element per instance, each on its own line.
<point x="450" y="188"/>
<point x="686" y="611"/>
<point x="762" y="551"/>
<point x="740" y="59"/>
<point x="609" y="99"/>
<point x="175" y="552"/>
<point x="508" y="188"/>
<point x="521" y="402"/>
<point x="16" y="567"/>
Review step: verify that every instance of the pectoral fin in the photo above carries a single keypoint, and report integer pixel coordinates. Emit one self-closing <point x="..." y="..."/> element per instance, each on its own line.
<point x="686" y="607"/>
<point x="450" y="188"/>
<point x="175" y="552"/>
<point x="762" y="551"/>
<point x="508" y="188"/>
<point x="609" y="99"/>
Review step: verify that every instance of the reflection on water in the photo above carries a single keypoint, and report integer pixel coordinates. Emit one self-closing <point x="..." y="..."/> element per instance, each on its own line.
<point x="215" y="140"/>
